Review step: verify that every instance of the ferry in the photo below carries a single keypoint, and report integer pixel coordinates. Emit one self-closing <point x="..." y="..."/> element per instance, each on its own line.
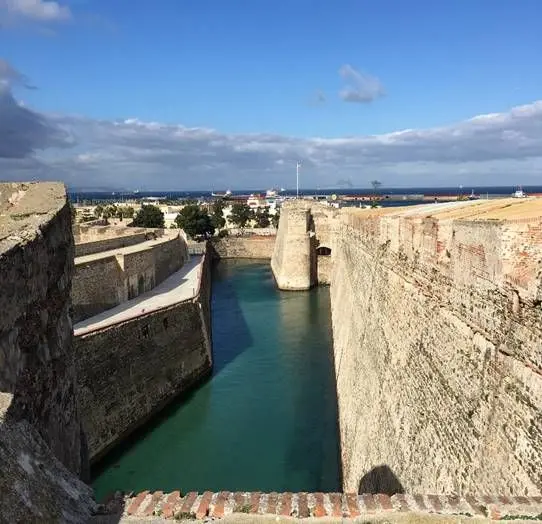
<point x="518" y="193"/>
<point x="226" y="194"/>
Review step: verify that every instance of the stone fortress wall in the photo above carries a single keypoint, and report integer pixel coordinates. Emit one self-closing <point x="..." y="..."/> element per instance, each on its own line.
<point x="129" y="367"/>
<point x="436" y="319"/>
<point x="437" y="334"/>
<point x="305" y="229"/>
<point x="293" y="258"/>
<point x="106" y="279"/>
<point x="42" y="445"/>
<point x="254" y="246"/>
<point x="106" y="244"/>
<point x="129" y="371"/>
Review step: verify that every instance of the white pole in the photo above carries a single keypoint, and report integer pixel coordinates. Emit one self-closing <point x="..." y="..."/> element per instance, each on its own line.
<point x="297" y="179"/>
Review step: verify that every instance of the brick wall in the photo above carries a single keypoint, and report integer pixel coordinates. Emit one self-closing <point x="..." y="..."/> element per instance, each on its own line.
<point x="128" y="371"/>
<point x="362" y="508"/>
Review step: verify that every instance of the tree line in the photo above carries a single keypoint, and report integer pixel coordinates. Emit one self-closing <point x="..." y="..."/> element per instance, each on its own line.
<point x="198" y="222"/>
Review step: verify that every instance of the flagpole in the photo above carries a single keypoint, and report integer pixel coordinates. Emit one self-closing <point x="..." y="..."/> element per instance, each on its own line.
<point x="297" y="179"/>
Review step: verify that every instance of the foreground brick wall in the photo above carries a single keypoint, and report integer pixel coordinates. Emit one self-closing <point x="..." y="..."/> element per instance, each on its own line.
<point x="338" y="505"/>
<point x="128" y="371"/>
<point x="437" y="330"/>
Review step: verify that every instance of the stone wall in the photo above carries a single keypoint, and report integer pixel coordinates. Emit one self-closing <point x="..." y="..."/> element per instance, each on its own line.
<point x="42" y="448"/>
<point x="293" y="261"/>
<point x="128" y="371"/>
<point x="96" y="246"/>
<point x="324" y="267"/>
<point x="304" y="227"/>
<point x="99" y="229"/>
<point x="244" y="247"/>
<point x="437" y="330"/>
<point x="104" y="281"/>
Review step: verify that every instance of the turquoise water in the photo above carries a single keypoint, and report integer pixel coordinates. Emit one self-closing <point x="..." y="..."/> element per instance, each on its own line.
<point x="266" y="420"/>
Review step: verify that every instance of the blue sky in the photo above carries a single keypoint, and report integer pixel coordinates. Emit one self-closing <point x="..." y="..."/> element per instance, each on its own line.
<point x="252" y="85"/>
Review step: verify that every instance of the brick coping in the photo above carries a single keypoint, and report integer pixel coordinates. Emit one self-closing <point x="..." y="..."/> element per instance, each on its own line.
<point x="195" y="505"/>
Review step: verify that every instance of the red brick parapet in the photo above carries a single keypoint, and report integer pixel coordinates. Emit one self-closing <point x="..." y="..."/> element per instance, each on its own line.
<point x="339" y="505"/>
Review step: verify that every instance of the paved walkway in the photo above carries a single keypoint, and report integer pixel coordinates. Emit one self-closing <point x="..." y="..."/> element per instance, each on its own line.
<point x="180" y="286"/>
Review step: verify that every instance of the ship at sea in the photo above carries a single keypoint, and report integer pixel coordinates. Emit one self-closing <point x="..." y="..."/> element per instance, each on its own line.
<point x="225" y="194"/>
<point x="519" y="193"/>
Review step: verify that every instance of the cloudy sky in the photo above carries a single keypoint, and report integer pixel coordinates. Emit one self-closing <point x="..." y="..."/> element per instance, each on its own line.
<point x="215" y="94"/>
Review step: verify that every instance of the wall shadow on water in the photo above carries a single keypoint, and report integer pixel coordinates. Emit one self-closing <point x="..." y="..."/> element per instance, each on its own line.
<point x="314" y="399"/>
<point x="230" y="330"/>
<point x="380" y="479"/>
<point x="230" y="335"/>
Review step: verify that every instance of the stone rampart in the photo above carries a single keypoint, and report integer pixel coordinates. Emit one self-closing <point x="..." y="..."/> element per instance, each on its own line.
<point x="293" y="261"/>
<point x="104" y="280"/>
<point x="42" y="448"/>
<point x="437" y="330"/>
<point x="244" y="247"/>
<point x="95" y="237"/>
<point x="97" y="246"/>
<point x="305" y="228"/>
<point x="128" y="371"/>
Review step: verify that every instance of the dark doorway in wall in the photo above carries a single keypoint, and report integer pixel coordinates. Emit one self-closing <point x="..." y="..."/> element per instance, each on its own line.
<point x="323" y="251"/>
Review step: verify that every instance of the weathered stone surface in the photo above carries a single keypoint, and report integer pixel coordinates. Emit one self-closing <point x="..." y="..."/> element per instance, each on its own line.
<point x="105" y="244"/>
<point x="104" y="280"/>
<point x="437" y="331"/>
<point x="293" y="261"/>
<point x="127" y="372"/>
<point x="39" y="416"/>
<point x="244" y="247"/>
<point x="34" y="485"/>
<point x="304" y="227"/>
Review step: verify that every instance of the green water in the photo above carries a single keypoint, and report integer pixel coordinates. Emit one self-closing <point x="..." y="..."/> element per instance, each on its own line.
<point x="266" y="420"/>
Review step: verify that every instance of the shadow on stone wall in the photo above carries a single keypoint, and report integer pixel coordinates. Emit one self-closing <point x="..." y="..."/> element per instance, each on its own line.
<point x="380" y="479"/>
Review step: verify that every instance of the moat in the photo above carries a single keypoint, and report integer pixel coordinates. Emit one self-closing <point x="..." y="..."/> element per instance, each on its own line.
<point x="267" y="418"/>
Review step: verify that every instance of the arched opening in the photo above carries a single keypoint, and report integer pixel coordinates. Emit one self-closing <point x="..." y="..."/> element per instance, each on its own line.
<point x="323" y="251"/>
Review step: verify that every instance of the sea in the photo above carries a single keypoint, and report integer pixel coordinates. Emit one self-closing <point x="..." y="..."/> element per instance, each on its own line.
<point x="93" y="197"/>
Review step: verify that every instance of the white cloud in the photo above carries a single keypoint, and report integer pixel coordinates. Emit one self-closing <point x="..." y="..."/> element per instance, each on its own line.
<point x="360" y="87"/>
<point x="35" y="10"/>
<point x="501" y="148"/>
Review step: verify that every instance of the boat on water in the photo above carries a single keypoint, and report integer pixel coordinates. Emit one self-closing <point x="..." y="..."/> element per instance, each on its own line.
<point x="225" y="194"/>
<point x="519" y="193"/>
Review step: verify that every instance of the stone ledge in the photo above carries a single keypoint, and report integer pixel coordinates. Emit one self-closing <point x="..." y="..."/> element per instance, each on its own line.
<point x="336" y="505"/>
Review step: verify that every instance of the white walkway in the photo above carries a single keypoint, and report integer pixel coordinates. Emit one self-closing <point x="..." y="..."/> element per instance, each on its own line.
<point x="180" y="286"/>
